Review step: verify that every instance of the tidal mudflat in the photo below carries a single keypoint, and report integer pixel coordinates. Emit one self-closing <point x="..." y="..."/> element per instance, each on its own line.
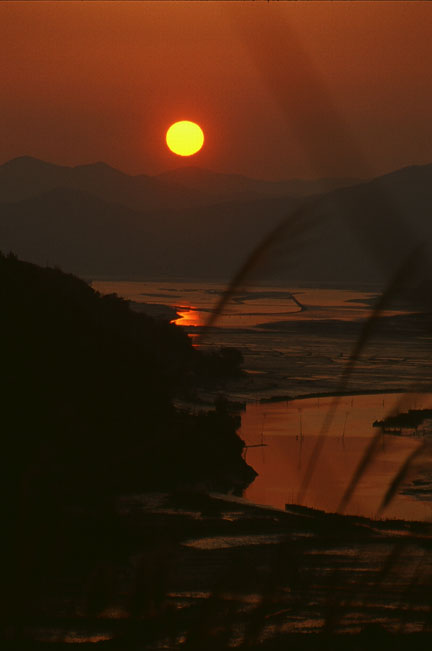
<point x="296" y="341"/>
<point x="286" y="433"/>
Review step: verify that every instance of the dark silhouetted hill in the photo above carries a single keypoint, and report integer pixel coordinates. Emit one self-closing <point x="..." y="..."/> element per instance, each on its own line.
<point x="87" y="390"/>
<point x="359" y="234"/>
<point x="365" y="232"/>
<point x="87" y="418"/>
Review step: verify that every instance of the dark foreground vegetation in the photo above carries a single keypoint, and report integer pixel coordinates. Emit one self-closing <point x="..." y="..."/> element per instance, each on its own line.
<point x="190" y="571"/>
<point x="87" y="389"/>
<point x="410" y="419"/>
<point x="112" y="540"/>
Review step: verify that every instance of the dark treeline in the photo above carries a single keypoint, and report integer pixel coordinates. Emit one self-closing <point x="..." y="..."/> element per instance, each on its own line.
<point x="88" y="385"/>
<point x="87" y="388"/>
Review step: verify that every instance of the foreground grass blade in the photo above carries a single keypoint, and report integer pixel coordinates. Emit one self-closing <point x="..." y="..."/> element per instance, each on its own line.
<point x="401" y="275"/>
<point x="292" y="227"/>
<point x="401" y="475"/>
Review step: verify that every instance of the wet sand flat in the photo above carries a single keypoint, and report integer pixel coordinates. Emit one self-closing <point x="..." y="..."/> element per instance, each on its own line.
<point x="290" y="429"/>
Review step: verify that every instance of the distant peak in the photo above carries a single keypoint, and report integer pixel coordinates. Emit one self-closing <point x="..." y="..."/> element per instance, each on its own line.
<point x="28" y="161"/>
<point x="101" y="167"/>
<point x="414" y="168"/>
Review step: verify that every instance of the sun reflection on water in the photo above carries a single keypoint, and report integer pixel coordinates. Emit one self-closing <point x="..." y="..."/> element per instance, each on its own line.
<point x="188" y="316"/>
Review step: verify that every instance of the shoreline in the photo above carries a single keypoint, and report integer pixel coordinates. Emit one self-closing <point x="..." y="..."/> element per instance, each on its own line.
<point x="227" y="553"/>
<point x="335" y="394"/>
<point x="312" y="512"/>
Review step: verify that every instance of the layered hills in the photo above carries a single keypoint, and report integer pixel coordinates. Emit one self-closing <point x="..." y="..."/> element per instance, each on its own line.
<point x="25" y="177"/>
<point x="96" y="221"/>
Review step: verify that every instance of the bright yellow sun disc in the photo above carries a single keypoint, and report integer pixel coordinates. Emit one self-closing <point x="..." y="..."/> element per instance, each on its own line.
<point x="185" y="138"/>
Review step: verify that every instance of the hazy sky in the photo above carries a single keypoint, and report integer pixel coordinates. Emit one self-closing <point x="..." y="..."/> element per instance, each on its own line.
<point x="280" y="89"/>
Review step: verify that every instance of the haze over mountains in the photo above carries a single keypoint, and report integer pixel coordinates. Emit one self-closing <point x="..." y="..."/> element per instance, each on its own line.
<point x="25" y="177"/>
<point x="235" y="186"/>
<point x="98" y="222"/>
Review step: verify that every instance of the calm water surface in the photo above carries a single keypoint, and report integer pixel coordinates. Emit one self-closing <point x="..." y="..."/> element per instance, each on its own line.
<point x="296" y="341"/>
<point x="289" y="431"/>
<point x="250" y="308"/>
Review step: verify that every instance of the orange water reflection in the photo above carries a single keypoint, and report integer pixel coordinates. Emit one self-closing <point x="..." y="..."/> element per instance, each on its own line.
<point x="188" y="316"/>
<point x="192" y="318"/>
<point x="289" y="431"/>
<point x="250" y="308"/>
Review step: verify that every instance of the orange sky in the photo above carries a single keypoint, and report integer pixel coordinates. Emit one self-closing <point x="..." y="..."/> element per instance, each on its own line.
<point x="280" y="89"/>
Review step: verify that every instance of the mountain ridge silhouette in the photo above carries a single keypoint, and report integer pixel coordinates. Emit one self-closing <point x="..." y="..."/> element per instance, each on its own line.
<point x="356" y="236"/>
<point x="27" y="176"/>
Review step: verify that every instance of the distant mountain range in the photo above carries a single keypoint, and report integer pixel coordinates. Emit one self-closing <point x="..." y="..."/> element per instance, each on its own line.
<point x="96" y="221"/>
<point x="25" y="177"/>
<point x="235" y="186"/>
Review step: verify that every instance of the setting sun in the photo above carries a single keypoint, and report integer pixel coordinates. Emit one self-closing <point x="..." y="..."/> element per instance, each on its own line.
<point x="185" y="138"/>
